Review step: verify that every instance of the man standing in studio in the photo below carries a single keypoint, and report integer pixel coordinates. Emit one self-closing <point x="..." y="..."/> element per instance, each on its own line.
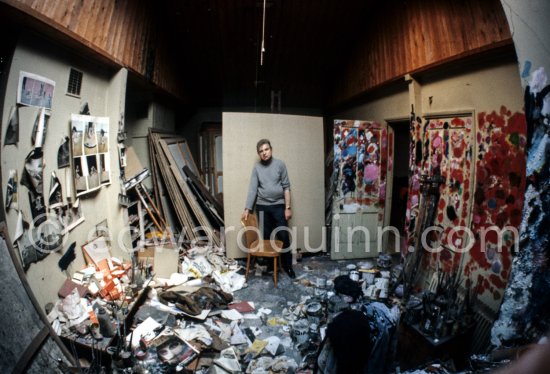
<point x="270" y="188"/>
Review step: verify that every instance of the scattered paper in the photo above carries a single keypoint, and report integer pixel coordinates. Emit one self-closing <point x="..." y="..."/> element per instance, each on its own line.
<point x="238" y="337"/>
<point x="145" y="330"/>
<point x="232" y="314"/>
<point x="229" y="361"/>
<point x="257" y="347"/>
<point x="265" y="311"/>
<point x="273" y="343"/>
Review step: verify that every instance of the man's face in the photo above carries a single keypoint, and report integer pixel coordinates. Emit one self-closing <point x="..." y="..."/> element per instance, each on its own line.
<point x="265" y="152"/>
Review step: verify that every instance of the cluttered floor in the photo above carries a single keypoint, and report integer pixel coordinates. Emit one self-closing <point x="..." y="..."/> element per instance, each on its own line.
<point x="209" y="319"/>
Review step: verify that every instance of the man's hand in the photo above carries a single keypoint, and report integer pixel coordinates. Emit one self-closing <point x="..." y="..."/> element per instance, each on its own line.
<point x="244" y="217"/>
<point x="288" y="214"/>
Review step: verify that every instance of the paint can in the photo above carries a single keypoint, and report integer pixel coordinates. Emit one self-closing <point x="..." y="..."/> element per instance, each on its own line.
<point x="383" y="285"/>
<point x="354" y="275"/>
<point x="351" y="267"/>
<point x="314" y="332"/>
<point x="368" y="277"/>
<point x="366" y="265"/>
<point x="384" y="261"/>
<point x="321" y="282"/>
<point x="300" y="331"/>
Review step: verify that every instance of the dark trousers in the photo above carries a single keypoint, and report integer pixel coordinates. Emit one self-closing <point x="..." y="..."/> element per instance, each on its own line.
<point x="270" y="217"/>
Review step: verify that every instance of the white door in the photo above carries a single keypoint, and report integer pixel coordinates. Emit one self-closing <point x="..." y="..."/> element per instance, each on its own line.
<point x="361" y="154"/>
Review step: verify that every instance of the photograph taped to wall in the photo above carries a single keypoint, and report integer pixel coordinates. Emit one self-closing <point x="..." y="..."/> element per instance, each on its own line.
<point x="90" y="139"/>
<point x="70" y="216"/>
<point x="55" y="197"/>
<point x="39" y="129"/>
<point x="90" y="147"/>
<point x="63" y="154"/>
<point x="96" y="250"/>
<point x="32" y="172"/>
<point x="12" y="129"/>
<point x="34" y="90"/>
<point x="11" y="191"/>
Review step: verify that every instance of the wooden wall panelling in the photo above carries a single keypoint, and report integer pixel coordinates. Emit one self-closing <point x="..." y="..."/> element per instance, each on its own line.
<point x="416" y="35"/>
<point x="121" y="31"/>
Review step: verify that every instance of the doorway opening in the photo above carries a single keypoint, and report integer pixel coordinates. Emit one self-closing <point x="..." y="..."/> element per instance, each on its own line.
<point x="400" y="186"/>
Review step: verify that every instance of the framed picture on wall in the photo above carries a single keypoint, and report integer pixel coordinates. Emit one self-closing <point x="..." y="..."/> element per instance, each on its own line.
<point x="90" y="152"/>
<point x="34" y="90"/>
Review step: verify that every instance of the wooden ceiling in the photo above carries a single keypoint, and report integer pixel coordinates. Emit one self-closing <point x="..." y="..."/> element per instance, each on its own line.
<point x="217" y="47"/>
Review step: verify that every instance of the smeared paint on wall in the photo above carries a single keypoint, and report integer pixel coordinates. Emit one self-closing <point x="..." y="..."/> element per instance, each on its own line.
<point x="441" y="146"/>
<point x="523" y="315"/>
<point x="498" y="199"/>
<point x="360" y="161"/>
<point x="477" y="194"/>
<point x="449" y="154"/>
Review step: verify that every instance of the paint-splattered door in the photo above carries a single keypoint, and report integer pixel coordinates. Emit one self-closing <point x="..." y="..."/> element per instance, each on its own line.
<point x="360" y="167"/>
<point x="448" y="152"/>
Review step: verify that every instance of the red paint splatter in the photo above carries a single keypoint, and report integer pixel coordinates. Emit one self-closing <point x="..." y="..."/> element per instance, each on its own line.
<point x="499" y="175"/>
<point x="497" y="281"/>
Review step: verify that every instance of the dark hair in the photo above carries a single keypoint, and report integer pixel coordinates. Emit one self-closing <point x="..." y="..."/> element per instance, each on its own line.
<point x="350" y="339"/>
<point x="262" y="142"/>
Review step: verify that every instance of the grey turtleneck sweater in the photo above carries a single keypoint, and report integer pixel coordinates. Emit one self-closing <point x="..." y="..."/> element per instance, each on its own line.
<point x="268" y="183"/>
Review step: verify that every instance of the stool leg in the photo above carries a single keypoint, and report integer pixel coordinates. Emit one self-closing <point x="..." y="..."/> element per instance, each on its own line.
<point x="275" y="270"/>
<point x="247" y="266"/>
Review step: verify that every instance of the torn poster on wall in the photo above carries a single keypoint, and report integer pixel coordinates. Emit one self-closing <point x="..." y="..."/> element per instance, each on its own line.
<point x="70" y="216"/>
<point x="63" y="154"/>
<point x="12" y="129"/>
<point x="32" y="179"/>
<point x="11" y="191"/>
<point x="55" y="198"/>
<point x="35" y="243"/>
<point x="90" y="147"/>
<point x="39" y="129"/>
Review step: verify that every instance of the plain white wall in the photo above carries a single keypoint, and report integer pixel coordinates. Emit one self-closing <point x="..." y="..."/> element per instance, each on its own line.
<point x="298" y="141"/>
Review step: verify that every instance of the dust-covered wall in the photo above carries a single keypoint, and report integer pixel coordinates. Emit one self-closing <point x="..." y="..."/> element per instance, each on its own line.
<point x="104" y="91"/>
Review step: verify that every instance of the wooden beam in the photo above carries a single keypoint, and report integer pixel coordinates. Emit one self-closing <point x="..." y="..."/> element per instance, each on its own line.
<point x="31" y="351"/>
